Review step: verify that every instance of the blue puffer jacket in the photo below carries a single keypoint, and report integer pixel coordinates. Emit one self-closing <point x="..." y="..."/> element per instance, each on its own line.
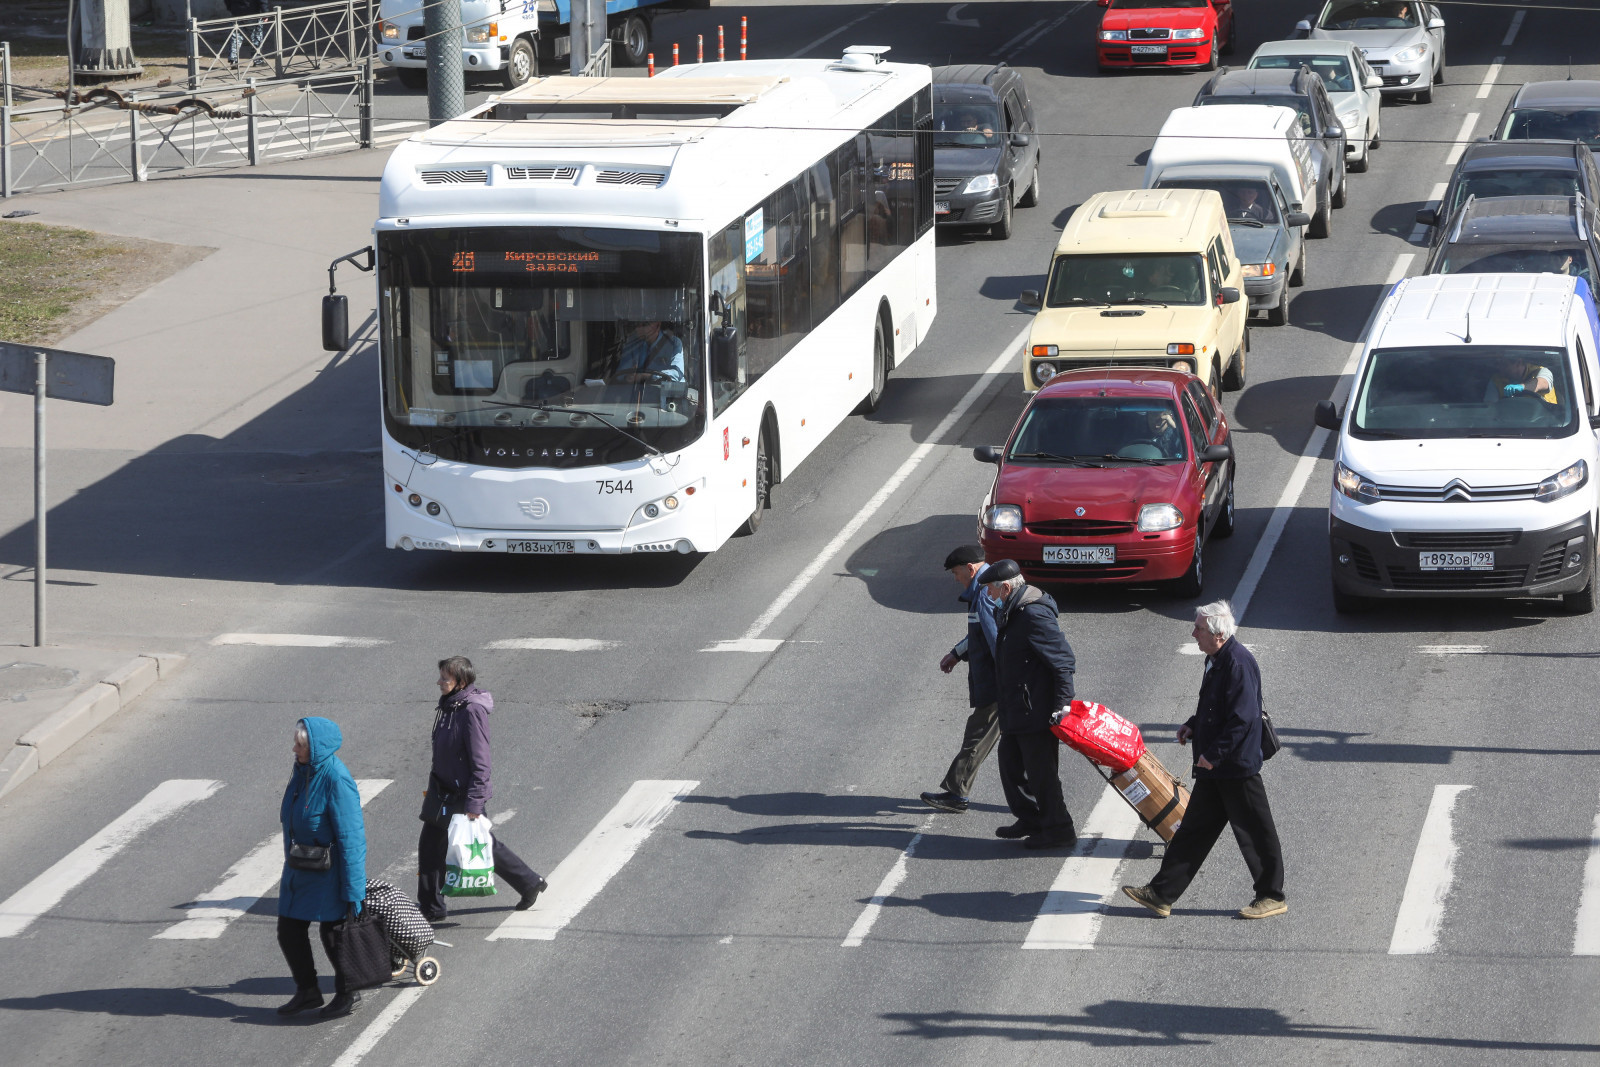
<point x="323" y="807"/>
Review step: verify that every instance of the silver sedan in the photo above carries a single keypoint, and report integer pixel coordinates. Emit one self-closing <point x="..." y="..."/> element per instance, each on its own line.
<point x="1402" y="40"/>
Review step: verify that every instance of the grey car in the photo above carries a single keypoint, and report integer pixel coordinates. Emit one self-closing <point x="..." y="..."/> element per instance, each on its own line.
<point x="1403" y="41"/>
<point x="1514" y="168"/>
<point x="1562" y="111"/>
<point x="1520" y="235"/>
<point x="1268" y="236"/>
<point x="985" y="147"/>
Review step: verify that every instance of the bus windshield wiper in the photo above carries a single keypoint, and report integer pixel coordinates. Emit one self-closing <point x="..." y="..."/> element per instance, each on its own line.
<point x="595" y="415"/>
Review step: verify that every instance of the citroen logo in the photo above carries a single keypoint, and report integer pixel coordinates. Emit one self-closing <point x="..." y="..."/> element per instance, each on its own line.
<point x="537" y="508"/>
<point x="1458" y="490"/>
<point x="1080" y="513"/>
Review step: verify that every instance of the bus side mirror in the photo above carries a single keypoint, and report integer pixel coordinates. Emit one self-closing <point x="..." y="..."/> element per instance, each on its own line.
<point x="1327" y="416"/>
<point x="988" y="453"/>
<point x="1030" y="299"/>
<point x="725" y="354"/>
<point x="335" y="322"/>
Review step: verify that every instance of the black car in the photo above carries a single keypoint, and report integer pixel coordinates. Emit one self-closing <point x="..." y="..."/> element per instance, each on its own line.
<point x="1514" y="168"/>
<point x="1557" y="111"/>
<point x="985" y="149"/>
<point x="1303" y="91"/>
<point x="1520" y="235"/>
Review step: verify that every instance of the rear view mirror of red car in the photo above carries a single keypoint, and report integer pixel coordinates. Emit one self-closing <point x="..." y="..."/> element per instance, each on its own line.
<point x="988" y="453"/>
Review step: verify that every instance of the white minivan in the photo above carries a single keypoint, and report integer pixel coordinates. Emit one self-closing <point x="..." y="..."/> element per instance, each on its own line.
<point x="1467" y="458"/>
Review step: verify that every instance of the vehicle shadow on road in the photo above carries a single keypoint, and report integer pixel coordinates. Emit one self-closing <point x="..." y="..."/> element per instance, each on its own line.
<point x="1340" y="312"/>
<point x="902" y="572"/>
<point x="1397" y="220"/>
<point x="1282" y="408"/>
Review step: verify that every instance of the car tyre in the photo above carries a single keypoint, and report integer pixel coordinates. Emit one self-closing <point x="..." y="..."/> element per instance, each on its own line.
<point x="1322" y="221"/>
<point x="1360" y="163"/>
<point x="1211" y="63"/>
<point x="1193" y="582"/>
<point x="1278" y="314"/>
<point x="522" y="65"/>
<point x="1340" y="194"/>
<point x="1031" y="197"/>
<point x="1233" y="378"/>
<point x="1348" y="603"/>
<point x="1224" y="523"/>
<point x="1377" y="133"/>
<point x="412" y="78"/>
<point x="763" y="476"/>
<point x="1438" y="72"/>
<point x="1001" y="231"/>
<point x="1233" y="37"/>
<point x="1424" y="96"/>
<point x="1297" y="277"/>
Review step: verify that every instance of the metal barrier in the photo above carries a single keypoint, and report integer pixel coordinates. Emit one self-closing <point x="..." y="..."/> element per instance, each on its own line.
<point x="328" y="36"/>
<point x="599" y="65"/>
<point x="108" y="136"/>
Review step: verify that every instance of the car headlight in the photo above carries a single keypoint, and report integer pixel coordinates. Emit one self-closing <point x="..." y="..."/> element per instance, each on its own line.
<point x="1188" y="35"/>
<point x="1353" y="485"/>
<point x="390" y="31"/>
<point x="1258" y="270"/>
<point x="482" y="34"/>
<point x="1153" y="518"/>
<point x="1410" y="55"/>
<point x="1003" y="518"/>
<point x="1113" y="35"/>
<point x="1568" y="481"/>
<point x="983" y="183"/>
<point x="1043" y="372"/>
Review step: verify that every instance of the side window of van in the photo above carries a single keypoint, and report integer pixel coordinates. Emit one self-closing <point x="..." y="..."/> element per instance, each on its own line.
<point x="1013" y="113"/>
<point x="1222" y="260"/>
<point x="1211" y="263"/>
<point x="1583" y="369"/>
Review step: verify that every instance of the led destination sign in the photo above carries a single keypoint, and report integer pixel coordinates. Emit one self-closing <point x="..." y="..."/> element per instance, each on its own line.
<point x="571" y="262"/>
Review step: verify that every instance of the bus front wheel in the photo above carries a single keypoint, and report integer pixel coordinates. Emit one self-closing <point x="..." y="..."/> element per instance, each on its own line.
<point x="763" y="478"/>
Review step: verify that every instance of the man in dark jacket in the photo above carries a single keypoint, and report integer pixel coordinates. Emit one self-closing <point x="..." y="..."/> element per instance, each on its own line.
<point x="966" y="565"/>
<point x="1033" y="673"/>
<point x="1226" y="730"/>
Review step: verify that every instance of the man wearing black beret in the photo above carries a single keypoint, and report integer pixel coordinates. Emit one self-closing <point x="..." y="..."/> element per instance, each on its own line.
<point x="966" y="565"/>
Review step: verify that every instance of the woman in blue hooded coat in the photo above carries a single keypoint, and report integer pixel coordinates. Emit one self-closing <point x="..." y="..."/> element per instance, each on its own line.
<point x="321" y="807"/>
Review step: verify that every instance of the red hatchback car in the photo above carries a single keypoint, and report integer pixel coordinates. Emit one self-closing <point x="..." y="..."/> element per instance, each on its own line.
<point x="1165" y="33"/>
<point x="1115" y="474"/>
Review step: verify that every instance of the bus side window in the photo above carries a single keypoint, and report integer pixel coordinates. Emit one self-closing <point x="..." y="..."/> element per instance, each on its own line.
<point x="846" y="168"/>
<point x="903" y="170"/>
<point x="763" y="290"/>
<point x="794" y="279"/>
<point x="824" y="233"/>
<point x="882" y="230"/>
<point x="726" y="262"/>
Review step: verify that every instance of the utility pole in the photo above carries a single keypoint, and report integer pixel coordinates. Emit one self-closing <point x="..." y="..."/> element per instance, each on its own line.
<point x="104" y="41"/>
<point x="441" y="25"/>
<point x="587" y="32"/>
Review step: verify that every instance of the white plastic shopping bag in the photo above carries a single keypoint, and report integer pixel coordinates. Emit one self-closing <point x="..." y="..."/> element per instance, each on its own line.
<point x="469" y="858"/>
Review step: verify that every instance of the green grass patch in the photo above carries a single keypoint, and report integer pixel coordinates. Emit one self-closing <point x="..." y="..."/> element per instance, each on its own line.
<point x="48" y="271"/>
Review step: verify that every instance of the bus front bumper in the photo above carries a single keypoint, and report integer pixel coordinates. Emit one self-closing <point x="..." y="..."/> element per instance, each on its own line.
<point x="411" y="529"/>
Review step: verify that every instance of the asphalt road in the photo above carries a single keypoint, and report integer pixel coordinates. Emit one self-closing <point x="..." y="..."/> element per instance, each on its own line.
<point x="720" y="939"/>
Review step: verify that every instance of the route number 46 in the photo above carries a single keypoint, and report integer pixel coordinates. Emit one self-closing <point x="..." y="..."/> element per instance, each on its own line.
<point x="608" y="486"/>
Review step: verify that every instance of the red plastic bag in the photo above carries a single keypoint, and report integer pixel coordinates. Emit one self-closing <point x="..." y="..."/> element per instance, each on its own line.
<point x="1101" y="734"/>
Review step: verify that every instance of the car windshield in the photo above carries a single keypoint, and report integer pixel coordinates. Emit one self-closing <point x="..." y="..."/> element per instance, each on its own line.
<point x="1517" y="259"/>
<point x="1482" y="183"/>
<point x="1465" y="391"/>
<point x="1555" y="124"/>
<point x="963" y="124"/>
<point x="1300" y="104"/>
<point x="1126" y="279"/>
<point x="1369" y="15"/>
<point x="1335" y="70"/>
<point x="483" y="328"/>
<point x="1100" y="428"/>
<point x="1243" y="199"/>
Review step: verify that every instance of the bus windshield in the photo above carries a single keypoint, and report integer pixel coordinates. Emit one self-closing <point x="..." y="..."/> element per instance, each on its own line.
<point x="542" y="346"/>
<point x="1465" y="391"/>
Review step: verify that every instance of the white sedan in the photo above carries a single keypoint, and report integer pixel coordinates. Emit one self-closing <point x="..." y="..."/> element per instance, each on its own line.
<point x="1353" y="87"/>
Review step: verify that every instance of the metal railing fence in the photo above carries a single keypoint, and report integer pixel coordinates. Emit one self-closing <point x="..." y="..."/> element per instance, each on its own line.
<point x="296" y="40"/>
<point x="599" y="65"/>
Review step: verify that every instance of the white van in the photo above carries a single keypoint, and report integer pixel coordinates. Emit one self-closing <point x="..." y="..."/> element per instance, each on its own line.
<point x="1467" y="457"/>
<point x="1248" y="134"/>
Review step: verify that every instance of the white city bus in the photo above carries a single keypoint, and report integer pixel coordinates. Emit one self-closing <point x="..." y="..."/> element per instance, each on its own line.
<point x="615" y="312"/>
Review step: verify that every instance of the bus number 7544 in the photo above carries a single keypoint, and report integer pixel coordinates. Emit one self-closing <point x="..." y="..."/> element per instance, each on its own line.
<point x="608" y="486"/>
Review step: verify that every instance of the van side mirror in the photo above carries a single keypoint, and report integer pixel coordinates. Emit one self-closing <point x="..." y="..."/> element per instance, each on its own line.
<point x="1428" y="216"/>
<point x="988" y="453"/>
<point x="335" y="322"/>
<point x="1217" y="454"/>
<point x="1228" y="295"/>
<point x="1030" y="299"/>
<point x="1374" y="81"/>
<point x="1298" y="218"/>
<point x="1594" y="422"/>
<point x="1327" y="416"/>
<point x="1020" y="140"/>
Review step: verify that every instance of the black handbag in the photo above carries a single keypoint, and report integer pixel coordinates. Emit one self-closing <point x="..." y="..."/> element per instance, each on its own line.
<point x="1269" y="737"/>
<point x="310" y="857"/>
<point x="359" y="950"/>
<point x="438" y="804"/>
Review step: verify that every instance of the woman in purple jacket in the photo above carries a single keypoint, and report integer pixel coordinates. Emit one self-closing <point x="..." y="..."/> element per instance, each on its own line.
<point x="460" y="777"/>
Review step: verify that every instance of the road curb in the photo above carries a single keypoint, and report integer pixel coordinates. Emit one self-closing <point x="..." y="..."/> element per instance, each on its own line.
<point x="67" y="726"/>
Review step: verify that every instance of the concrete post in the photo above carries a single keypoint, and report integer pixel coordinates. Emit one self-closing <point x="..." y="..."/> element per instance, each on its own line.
<point x="364" y="104"/>
<point x="277" y="40"/>
<point x="135" y="149"/>
<point x="105" y="41"/>
<point x="441" y="26"/>
<point x="194" y="54"/>
<point x="251" y="130"/>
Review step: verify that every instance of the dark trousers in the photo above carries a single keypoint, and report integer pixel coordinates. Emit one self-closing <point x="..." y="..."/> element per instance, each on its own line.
<point x="1030" y="774"/>
<point x="431" y="848"/>
<point x="294" y="938"/>
<point x="983" y="729"/>
<point x="1215" y="803"/>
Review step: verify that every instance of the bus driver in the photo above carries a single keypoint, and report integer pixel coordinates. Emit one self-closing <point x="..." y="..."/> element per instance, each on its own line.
<point x="650" y="355"/>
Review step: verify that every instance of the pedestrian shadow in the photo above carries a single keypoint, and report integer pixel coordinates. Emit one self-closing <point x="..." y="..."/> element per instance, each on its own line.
<point x="195" y="1002"/>
<point x="814" y="805"/>
<point x="1147" y="1024"/>
<point x="992" y="906"/>
<point x="1332" y="746"/>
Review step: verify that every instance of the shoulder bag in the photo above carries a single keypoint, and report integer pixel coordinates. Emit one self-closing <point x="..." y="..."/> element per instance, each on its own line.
<point x="438" y="804"/>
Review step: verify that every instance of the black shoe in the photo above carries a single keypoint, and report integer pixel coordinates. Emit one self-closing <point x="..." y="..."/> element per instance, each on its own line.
<point x="946" y="801"/>
<point x="342" y="1004"/>
<point x="1015" y="830"/>
<point x="303" y="1000"/>
<point x="531" y="895"/>
<point x="435" y="920"/>
<point x="1038" y="841"/>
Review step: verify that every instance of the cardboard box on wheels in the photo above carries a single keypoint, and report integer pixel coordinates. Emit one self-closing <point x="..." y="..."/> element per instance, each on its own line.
<point x="1155" y="793"/>
<point x="1116" y="748"/>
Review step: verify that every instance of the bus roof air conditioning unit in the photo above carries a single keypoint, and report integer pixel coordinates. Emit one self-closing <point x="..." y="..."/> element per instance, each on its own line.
<point x="863" y="56"/>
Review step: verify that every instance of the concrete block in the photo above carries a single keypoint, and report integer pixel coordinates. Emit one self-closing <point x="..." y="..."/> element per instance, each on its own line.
<point x="167" y="663"/>
<point x="133" y="677"/>
<point x="68" y="726"/>
<point x="17" y="767"/>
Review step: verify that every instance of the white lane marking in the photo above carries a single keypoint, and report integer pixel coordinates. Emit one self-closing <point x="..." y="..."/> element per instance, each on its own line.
<point x="245" y="883"/>
<point x="891" y="881"/>
<point x="1452" y="650"/>
<point x="380" y="1026"/>
<point x="1433" y="872"/>
<point x="1490" y="76"/>
<point x="597" y="859"/>
<point x="1586" y="938"/>
<point x="1055" y="22"/>
<point x="1290" y="496"/>
<point x="1511" y="32"/>
<point x="553" y="644"/>
<point x="1463" y="138"/>
<point x="1072" y="910"/>
<point x="19" y="911"/>
<point x="1007" y="47"/>
<point x="1419" y="235"/>
<point x="297" y="640"/>
<point x="745" y="644"/>
<point x="888" y="489"/>
<point x="830" y="35"/>
<point x="952" y="18"/>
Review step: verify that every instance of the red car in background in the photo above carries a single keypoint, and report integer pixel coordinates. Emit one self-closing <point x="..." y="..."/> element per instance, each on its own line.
<point x="1114" y="474"/>
<point x="1165" y="33"/>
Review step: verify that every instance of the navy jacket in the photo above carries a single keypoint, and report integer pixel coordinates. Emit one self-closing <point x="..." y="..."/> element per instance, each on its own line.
<point x="1227" y="721"/>
<point x="461" y="746"/>
<point x="321" y="806"/>
<point x="1033" y="662"/>
<point x="977" y="648"/>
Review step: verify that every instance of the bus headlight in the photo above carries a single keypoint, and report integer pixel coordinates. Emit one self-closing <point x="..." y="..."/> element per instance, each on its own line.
<point x="1003" y="518"/>
<point x="1154" y="518"/>
<point x="983" y="183"/>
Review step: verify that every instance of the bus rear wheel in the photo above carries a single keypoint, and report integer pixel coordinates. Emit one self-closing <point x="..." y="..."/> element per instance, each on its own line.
<point x="880" y="372"/>
<point x="763" y="478"/>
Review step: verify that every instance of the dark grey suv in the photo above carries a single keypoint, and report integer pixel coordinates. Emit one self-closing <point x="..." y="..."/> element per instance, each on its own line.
<point x="1301" y="90"/>
<point x="1520" y="235"/>
<point x="1514" y="168"/>
<point x="985" y="147"/>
